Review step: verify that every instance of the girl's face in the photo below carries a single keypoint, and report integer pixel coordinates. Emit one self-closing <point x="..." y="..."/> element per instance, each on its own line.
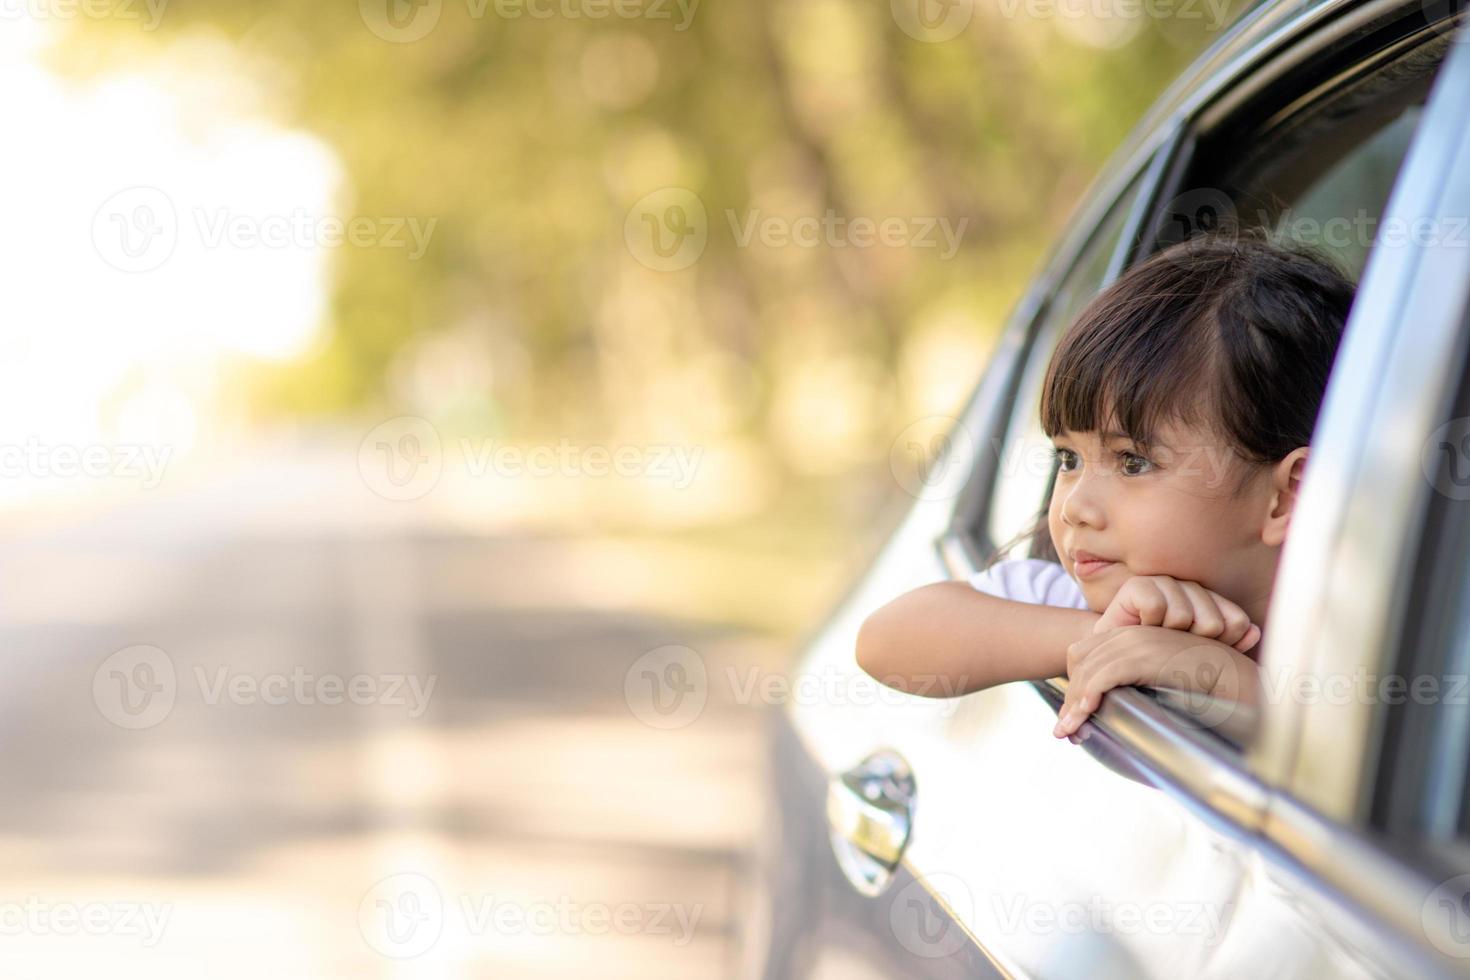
<point x="1116" y="513"/>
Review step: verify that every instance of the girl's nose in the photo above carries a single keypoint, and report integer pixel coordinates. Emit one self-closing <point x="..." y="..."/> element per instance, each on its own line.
<point x="1080" y="507"/>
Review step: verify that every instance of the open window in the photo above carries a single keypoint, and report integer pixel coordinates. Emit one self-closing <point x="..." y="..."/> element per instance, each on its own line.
<point x="1316" y="170"/>
<point x="1310" y="152"/>
<point x="1023" y="470"/>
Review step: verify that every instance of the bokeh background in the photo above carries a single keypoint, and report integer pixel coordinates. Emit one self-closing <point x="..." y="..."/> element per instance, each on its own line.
<point x="492" y="345"/>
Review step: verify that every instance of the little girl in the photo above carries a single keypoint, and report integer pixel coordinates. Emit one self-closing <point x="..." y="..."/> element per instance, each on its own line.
<point x="1180" y="405"/>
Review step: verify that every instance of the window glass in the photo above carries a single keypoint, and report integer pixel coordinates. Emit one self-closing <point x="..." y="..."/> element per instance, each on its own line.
<point x="1024" y="468"/>
<point x="1320" y="179"/>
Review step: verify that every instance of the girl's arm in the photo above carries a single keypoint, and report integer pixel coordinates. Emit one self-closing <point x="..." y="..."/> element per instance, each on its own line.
<point x="949" y="638"/>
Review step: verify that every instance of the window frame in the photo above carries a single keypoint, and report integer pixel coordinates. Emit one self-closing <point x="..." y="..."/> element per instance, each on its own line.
<point x="1439" y="605"/>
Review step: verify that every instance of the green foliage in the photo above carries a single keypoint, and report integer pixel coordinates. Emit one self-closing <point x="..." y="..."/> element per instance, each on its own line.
<point x="530" y="139"/>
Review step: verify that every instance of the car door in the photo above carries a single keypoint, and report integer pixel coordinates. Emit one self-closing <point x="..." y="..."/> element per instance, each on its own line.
<point x="812" y="917"/>
<point x="1140" y="850"/>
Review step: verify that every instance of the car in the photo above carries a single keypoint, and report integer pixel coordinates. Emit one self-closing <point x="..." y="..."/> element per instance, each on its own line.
<point x="1328" y="834"/>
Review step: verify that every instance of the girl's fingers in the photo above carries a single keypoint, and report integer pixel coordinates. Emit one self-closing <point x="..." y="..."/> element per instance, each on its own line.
<point x="1180" y="612"/>
<point x="1209" y="621"/>
<point x="1150" y="604"/>
<point x="1251" y="638"/>
<point x="1074" y="713"/>
<point x="1079" y="651"/>
<point x="1070" y="718"/>
<point x="1237" y="621"/>
<point x="1084" y="693"/>
<point x="1071" y="705"/>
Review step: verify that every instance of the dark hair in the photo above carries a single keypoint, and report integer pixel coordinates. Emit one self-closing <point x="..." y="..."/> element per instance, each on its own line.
<point x="1234" y="333"/>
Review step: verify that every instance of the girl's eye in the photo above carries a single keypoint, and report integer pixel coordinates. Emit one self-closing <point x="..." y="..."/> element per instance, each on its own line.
<point x="1134" y="464"/>
<point x="1066" y="459"/>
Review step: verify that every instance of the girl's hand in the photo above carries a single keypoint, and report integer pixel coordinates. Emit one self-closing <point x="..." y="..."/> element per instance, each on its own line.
<point x="1152" y="656"/>
<point x="1158" y="600"/>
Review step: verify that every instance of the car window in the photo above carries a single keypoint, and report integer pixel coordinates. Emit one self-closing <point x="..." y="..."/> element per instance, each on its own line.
<point x="1422" y="792"/>
<point x="1321" y="177"/>
<point x="1024" y="468"/>
<point x="1336" y="158"/>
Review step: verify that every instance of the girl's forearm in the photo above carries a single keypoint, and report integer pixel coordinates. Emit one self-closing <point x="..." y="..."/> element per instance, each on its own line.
<point x="948" y="638"/>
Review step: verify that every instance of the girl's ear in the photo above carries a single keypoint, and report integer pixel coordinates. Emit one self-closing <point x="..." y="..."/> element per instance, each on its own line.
<point x="1286" y="479"/>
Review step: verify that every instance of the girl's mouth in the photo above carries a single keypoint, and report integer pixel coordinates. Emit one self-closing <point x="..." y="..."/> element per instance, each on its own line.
<point x="1091" y="567"/>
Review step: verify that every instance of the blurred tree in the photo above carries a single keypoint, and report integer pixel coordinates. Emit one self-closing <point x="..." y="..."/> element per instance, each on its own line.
<point x="530" y="138"/>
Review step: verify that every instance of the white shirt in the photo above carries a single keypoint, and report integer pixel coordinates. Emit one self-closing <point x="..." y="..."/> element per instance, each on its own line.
<point x="1031" y="580"/>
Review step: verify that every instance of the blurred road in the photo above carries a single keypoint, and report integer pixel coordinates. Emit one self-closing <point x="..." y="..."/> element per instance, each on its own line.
<point x="277" y="727"/>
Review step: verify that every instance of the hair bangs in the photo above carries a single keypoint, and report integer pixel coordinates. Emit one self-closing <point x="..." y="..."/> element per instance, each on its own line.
<point x="1131" y="363"/>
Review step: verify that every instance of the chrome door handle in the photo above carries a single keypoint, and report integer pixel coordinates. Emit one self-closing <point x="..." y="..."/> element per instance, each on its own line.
<point x="870" y="813"/>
